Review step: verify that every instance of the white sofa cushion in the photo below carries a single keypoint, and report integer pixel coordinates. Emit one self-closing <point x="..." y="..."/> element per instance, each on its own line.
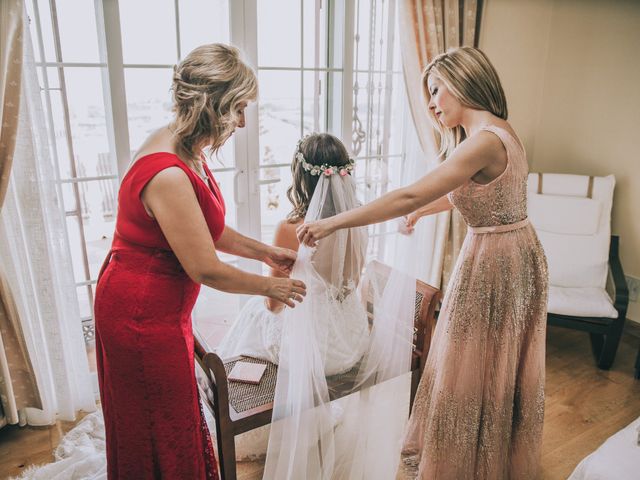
<point x="565" y="215"/>
<point x="576" y="260"/>
<point x="574" y="230"/>
<point x="581" y="302"/>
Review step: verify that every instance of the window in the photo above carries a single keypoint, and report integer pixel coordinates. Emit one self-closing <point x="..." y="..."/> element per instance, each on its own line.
<point x="330" y="65"/>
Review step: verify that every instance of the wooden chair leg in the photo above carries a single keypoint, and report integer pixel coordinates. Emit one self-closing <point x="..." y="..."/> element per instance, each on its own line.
<point x="609" y="349"/>
<point x="227" y="454"/>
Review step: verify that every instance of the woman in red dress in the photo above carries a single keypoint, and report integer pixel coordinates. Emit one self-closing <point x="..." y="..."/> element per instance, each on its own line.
<point x="170" y="224"/>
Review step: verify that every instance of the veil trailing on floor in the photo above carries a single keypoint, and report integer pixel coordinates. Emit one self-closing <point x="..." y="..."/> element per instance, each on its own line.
<point x="358" y="436"/>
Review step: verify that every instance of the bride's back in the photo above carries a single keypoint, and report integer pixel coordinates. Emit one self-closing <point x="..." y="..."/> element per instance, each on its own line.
<point x="322" y="187"/>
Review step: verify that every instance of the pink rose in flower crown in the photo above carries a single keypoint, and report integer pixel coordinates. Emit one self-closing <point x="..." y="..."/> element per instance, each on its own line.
<point x="328" y="171"/>
<point x="343" y="172"/>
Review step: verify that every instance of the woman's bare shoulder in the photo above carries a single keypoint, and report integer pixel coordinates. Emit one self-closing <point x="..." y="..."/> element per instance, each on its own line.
<point x="285" y="234"/>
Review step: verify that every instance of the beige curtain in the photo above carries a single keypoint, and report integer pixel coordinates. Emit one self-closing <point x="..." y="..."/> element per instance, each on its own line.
<point x="428" y="28"/>
<point x="18" y="388"/>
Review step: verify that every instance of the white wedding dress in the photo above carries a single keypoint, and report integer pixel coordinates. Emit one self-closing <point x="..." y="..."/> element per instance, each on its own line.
<point x="257" y="332"/>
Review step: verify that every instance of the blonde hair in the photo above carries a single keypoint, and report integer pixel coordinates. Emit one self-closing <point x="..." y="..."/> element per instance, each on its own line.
<point x="208" y="85"/>
<point x="473" y="81"/>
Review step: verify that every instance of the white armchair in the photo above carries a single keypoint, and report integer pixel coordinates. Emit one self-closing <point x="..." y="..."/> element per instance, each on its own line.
<point x="587" y="288"/>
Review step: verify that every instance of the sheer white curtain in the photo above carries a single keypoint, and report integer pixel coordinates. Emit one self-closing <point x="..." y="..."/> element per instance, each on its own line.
<point x="36" y="261"/>
<point x="420" y="254"/>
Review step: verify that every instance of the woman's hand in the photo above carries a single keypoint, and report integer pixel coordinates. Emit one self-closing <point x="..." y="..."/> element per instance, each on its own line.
<point x="286" y="290"/>
<point x="408" y="223"/>
<point x="281" y="259"/>
<point x="309" y="233"/>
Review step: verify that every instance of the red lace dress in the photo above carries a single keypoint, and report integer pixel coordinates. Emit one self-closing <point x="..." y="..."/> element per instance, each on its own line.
<point x="144" y="340"/>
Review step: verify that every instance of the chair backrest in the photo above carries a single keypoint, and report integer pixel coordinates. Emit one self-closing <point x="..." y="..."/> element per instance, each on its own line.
<point x="572" y="217"/>
<point x="201" y="348"/>
<point x="427" y="298"/>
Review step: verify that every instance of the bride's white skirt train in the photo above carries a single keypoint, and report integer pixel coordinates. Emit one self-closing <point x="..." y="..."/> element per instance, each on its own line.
<point x="79" y="456"/>
<point x="257" y="332"/>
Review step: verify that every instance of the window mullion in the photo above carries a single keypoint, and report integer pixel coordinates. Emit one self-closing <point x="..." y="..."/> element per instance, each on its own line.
<point x="301" y="66"/>
<point x="176" y="7"/>
<point x="116" y="104"/>
<point x="316" y="64"/>
<point x="391" y="21"/>
<point x="347" y="75"/>
<point x="243" y="32"/>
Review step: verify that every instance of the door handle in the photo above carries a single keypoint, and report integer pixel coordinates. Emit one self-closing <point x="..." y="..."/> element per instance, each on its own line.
<point x="237" y="196"/>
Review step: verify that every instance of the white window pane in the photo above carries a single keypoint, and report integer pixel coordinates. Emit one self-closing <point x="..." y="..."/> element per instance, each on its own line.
<point x="69" y="198"/>
<point x="335" y="101"/>
<point x="83" y="301"/>
<point x="148" y="31"/>
<point x="274" y="204"/>
<point x="148" y="101"/>
<point x="397" y="55"/>
<point x="60" y="135"/>
<point x="309" y="36"/>
<point x="33" y="30"/>
<point x="53" y="77"/>
<point x="98" y="203"/>
<point x="311" y="88"/>
<point x="279" y="33"/>
<point x="203" y="21"/>
<point x="224" y="157"/>
<point x="46" y="29"/>
<point x="78" y="32"/>
<point x="399" y="108"/>
<point x="279" y="115"/>
<point x="88" y="122"/>
<point x="75" y="243"/>
<point x="361" y="45"/>
<point x="226" y="183"/>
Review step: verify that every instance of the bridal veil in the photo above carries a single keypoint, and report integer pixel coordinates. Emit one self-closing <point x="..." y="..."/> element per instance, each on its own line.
<point x="358" y="436"/>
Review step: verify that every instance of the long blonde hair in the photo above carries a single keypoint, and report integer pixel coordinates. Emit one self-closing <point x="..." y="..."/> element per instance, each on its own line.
<point x="208" y="86"/>
<point x="473" y="81"/>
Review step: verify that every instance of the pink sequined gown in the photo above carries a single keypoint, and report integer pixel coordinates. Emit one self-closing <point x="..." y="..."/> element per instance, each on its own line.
<point x="479" y="408"/>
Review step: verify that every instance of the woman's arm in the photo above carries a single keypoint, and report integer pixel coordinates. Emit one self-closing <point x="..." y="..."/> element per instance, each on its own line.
<point x="171" y="199"/>
<point x="235" y="243"/>
<point x="440" y="205"/>
<point x="471" y="156"/>
<point x="285" y="237"/>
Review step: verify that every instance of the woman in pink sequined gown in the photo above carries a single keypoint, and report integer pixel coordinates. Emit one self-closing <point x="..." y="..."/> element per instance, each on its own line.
<point x="479" y="408"/>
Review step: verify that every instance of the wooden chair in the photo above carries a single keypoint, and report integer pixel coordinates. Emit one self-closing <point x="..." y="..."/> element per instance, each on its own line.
<point x="587" y="287"/>
<point x="239" y="407"/>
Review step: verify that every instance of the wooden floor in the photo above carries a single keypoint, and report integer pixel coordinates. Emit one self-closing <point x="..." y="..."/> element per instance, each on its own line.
<point x="584" y="406"/>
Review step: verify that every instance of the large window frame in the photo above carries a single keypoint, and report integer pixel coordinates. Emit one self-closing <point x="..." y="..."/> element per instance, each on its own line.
<point x="338" y="17"/>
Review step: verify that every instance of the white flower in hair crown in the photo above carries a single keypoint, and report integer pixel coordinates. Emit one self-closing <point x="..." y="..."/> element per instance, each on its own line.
<point x="323" y="169"/>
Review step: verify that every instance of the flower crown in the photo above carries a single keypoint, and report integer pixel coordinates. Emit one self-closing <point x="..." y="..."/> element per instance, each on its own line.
<point x="323" y="169"/>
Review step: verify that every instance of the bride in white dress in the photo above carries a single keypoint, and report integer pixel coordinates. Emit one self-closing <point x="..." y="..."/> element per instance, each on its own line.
<point x="357" y="437"/>
<point x="257" y="331"/>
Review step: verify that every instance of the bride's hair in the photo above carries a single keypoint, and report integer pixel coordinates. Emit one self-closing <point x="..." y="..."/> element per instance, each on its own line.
<point x="317" y="149"/>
